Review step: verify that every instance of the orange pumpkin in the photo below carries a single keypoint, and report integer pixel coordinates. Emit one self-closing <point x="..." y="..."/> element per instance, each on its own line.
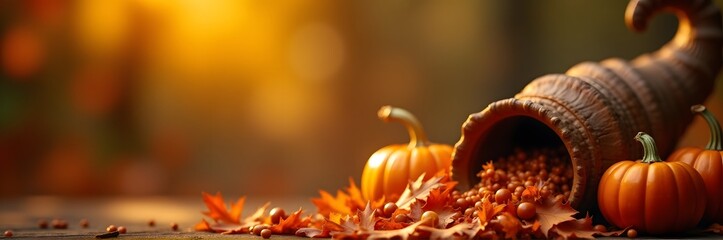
<point x="709" y="163"/>
<point x="389" y="169"/>
<point x="651" y="195"/>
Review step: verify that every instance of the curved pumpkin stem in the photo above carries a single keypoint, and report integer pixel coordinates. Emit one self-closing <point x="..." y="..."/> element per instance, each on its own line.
<point x="417" y="136"/>
<point x="650" y="151"/>
<point x="715" y="142"/>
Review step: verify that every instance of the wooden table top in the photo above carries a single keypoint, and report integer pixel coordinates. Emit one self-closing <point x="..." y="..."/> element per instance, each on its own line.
<point x="21" y="215"/>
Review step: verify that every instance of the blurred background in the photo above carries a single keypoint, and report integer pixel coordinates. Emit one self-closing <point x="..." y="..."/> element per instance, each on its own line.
<point x="268" y="98"/>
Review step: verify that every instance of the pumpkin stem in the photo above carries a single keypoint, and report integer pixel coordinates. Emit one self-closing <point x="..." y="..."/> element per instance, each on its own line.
<point x="650" y="151"/>
<point x="715" y="142"/>
<point x="417" y="137"/>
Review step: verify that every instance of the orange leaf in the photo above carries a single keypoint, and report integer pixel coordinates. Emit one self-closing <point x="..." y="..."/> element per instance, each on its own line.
<point x="419" y="189"/>
<point x="289" y="225"/>
<point x="202" y="226"/>
<point x="217" y="209"/>
<point x="344" y="202"/>
<point x="488" y="211"/>
<point x="510" y="224"/>
<point x="552" y="212"/>
<point x="355" y="196"/>
<point x="327" y="204"/>
<point x="488" y="165"/>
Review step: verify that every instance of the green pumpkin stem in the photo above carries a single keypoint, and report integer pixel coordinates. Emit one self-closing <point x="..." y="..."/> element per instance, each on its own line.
<point x="650" y="151"/>
<point x="417" y="136"/>
<point x="716" y="134"/>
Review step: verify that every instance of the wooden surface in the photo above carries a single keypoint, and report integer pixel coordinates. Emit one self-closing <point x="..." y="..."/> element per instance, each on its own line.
<point x="22" y="215"/>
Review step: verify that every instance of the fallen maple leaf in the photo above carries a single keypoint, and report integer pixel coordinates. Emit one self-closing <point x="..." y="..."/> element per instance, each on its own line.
<point x="345" y="202"/>
<point x="418" y="189"/>
<point x="551" y="212"/>
<point x="578" y="228"/>
<point x="217" y="208"/>
<point x="327" y="204"/>
<point x="225" y="220"/>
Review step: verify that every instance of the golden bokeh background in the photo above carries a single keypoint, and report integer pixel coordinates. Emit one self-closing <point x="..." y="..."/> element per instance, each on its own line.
<point x="267" y="98"/>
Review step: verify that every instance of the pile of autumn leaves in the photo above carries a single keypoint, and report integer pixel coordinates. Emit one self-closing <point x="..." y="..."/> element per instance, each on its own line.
<point x="348" y="216"/>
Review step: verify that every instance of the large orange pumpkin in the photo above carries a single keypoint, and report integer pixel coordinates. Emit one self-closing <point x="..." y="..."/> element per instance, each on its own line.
<point x="709" y="163"/>
<point x="389" y="169"/>
<point x="651" y="195"/>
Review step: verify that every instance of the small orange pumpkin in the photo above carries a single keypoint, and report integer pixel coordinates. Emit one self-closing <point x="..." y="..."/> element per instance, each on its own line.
<point x="389" y="169"/>
<point x="651" y="195"/>
<point x="709" y="163"/>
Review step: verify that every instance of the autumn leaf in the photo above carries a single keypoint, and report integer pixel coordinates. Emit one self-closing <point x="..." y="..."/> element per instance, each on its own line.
<point x="367" y="219"/>
<point x="465" y="229"/>
<point x="346" y="202"/>
<point x="579" y="228"/>
<point x="312" y="233"/>
<point x="387" y="224"/>
<point x="290" y="224"/>
<point x="441" y="202"/>
<point x="531" y="227"/>
<point x="489" y="165"/>
<point x="227" y="220"/>
<point x="258" y="216"/>
<point x="217" y="208"/>
<point x="418" y="189"/>
<point x="403" y="233"/>
<point x="356" y="200"/>
<point x="416" y="211"/>
<point x="510" y="224"/>
<point x="327" y="204"/>
<point x="552" y="212"/>
<point x="488" y="211"/>
<point x="533" y="192"/>
<point x="202" y="226"/>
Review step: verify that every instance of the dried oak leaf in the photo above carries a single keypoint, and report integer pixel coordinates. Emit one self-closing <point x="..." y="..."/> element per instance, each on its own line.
<point x="551" y="212"/>
<point x="418" y="189"/>
<point x="578" y="228"/>
<point x="461" y="230"/>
